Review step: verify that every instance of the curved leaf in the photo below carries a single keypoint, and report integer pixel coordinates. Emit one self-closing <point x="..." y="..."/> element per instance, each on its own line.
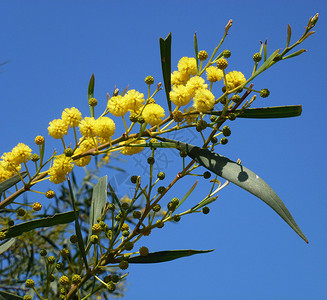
<point x="5" y="246"/>
<point x="90" y="90"/>
<point x="165" y="52"/>
<point x="8" y="296"/>
<point x="243" y="177"/>
<point x="163" y="256"/>
<point x="56" y="219"/>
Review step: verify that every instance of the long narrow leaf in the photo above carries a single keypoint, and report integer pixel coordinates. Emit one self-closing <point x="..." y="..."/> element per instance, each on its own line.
<point x="187" y="194"/>
<point x="62" y="218"/>
<point x="163" y="256"/>
<point x="165" y="52"/>
<point x="90" y="90"/>
<point x="7" y="184"/>
<point x="8" y="296"/>
<point x="5" y="246"/>
<point x="99" y="199"/>
<point x="268" y="112"/>
<point x="243" y="177"/>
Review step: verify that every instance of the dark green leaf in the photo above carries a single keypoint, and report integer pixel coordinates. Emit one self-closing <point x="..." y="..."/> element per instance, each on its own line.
<point x="196" y="50"/>
<point x="268" y="112"/>
<point x="7" y="184"/>
<point x="90" y="90"/>
<point x="243" y="177"/>
<point x="56" y="219"/>
<point x="5" y="246"/>
<point x="163" y="256"/>
<point x="289" y="34"/>
<point x="9" y="296"/>
<point x="165" y="53"/>
<point x="99" y="199"/>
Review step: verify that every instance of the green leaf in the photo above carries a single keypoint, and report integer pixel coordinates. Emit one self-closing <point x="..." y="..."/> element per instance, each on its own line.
<point x="165" y="53"/>
<point x="62" y="218"/>
<point x="289" y="34"/>
<point x="163" y="256"/>
<point x="268" y="112"/>
<point x="243" y="177"/>
<point x="7" y="184"/>
<point x="205" y="202"/>
<point x="295" y="54"/>
<point x="196" y="51"/>
<point x="98" y="202"/>
<point x="5" y="246"/>
<point x="187" y="194"/>
<point x="9" y="296"/>
<point x="90" y="90"/>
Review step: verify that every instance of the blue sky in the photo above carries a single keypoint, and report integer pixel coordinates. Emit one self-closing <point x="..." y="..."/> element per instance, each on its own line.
<point x="53" y="47"/>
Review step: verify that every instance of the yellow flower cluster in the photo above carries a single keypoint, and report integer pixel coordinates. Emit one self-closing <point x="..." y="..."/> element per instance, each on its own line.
<point x="62" y="165"/>
<point x="85" y="144"/>
<point x="131" y="150"/>
<point x="153" y="113"/>
<point x="234" y="79"/>
<point x="11" y="161"/>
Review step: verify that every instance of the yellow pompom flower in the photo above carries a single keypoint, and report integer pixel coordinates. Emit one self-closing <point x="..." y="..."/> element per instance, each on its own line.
<point x="21" y="153"/>
<point x="204" y="100"/>
<point x="178" y="78"/>
<point x="117" y="106"/>
<point x="234" y="79"/>
<point x="87" y="127"/>
<point x="104" y="128"/>
<point x="9" y="162"/>
<point x="4" y="173"/>
<point x="134" y="100"/>
<point x="71" y="116"/>
<point x="194" y="84"/>
<point x="57" y="128"/>
<point x="62" y="165"/>
<point x="153" y="113"/>
<point x="187" y="65"/>
<point x="131" y="150"/>
<point x="87" y="144"/>
<point x="214" y="74"/>
<point x="180" y="95"/>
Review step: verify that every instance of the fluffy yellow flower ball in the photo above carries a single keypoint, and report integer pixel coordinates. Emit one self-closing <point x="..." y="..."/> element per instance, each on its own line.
<point x="62" y="165"/>
<point x="178" y="78"/>
<point x="234" y="79"/>
<point x="57" y="128"/>
<point x="153" y="113"/>
<point x="204" y="100"/>
<point x="180" y="95"/>
<point x="104" y="128"/>
<point x="131" y="150"/>
<point x="187" y="65"/>
<point x="118" y="106"/>
<point x="194" y="84"/>
<point x="134" y="100"/>
<point x="71" y="116"/>
<point x="214" y="74"/>
<point x="87" y="127"/>
<point x="21" y="153"/>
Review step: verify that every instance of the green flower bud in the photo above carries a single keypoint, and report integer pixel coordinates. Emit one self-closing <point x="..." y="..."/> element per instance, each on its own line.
<point x="224" y="141"/>
<point x="227" y="53"/>
<point x="202" y="55"/>
<point x="27" y="297"/>
<point x="129" y="246"/>
<point x="161" y="175"/>
<point x="69" y="152"/>
<point x="123" y="265"/>
<point x="214" y="140"/>
<point x="213" y="118"/>
<point x="264" y="93"/>
<point x="93" y="102"/>
<point x="232" y="116"/>
<point x="144" y="251"/>
<point x="64" y="280"/>
<point x="160" y="224"/>
<point x="73" y="239"/>
<point x="161" y="189"/>
<point x="175" y="201"/>
<point x="94" y="239"/>
<point x="156" y="208"/>
<point x="177" y="218"/>
<point x="205" y="210"/>
<point x="133" y="117"/>
<point x="134" y="179"/>
<point x="65" y="253"/>
<point x="257" y="57"/>
<point x="183" y="153"/>
<point x="222" y="63"/>
<point x="226" y="131"/>
<point x="115" y="278"/>
<point x="43" y="252"/>
<point x="206" y="175"/>
<point x="50" y="194"/>
<point x="21" y="212"/>
<point x="125" y="205"/>
<point x="111" y="286"/>
<point x="149" y="80"/>
<point x="35" y="157"/>
<point x="29" y="283"/>
<point x="96" y="228"/>
<point x="137" y="214"/>
<point x="150" y="160"/>
<point x="76" y="279"/>
<point x="236" y="98"/>
<point x="125" y="233"/>
<point x="51" y="260"/>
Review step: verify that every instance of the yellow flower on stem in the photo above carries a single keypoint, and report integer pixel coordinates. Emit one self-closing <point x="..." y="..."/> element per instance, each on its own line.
<point x="234" y="79"/>
<point x="153" y="113"/>
<point x="194" y="84"/>
<point x="71" y="116"/>
<point x="134" y="100"/>
<point x="62" y="166"/>
<point x="128" y="150"/>
<point x="21" y="153"/>
<point x="104" y="128"/>
<point x="117" y="106"/>
<point x="178" y="78"/>
<point x="87" y="127"/>
<point x="57" y="128"/>
<point x="180" y="95"/>
<point x="204" y="100"/>
<point x="187" y="65"/>
<point x="214" y="74"/>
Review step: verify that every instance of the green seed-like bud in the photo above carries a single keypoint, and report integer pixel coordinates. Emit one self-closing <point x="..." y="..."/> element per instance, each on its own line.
<point x="178" y="116"/>
<point x="222" y="63"/>
<point x="35" y="157"/>
<point x="2" y="235"/>
<point x="264" y="93"/>
<point x="29" y="283"/>
<point x="232" y="116"/>
<point x="21" y="212"/>
<point x="183" y="153"/>
<point x="214" y="140"/>
<point x="43" y="252"/>
<point x="236" y="98"/>
<point x="177" y="218"/>
<point x="59" y="266"/>
<point x="50" y="194"/>
<point x="27" y="297"/>
<point x="115" y="278"/>
<point x="123" y="265"/>
<point x="257" y="57"/>
<point x="11" y="223"/>
<point x="39" y="140"/>
<point x="161" y="175"/>
<point x="125" y="233"/>
<point x="134" y="179"/>
<point x="94" y="239"/>
<point x="156" y="208"/>
<point x="52" y="278"/>
<point x="161" y="189"/>
<point x="140" y="119"/>
<point x="206" y="175"/>
<point x="206" y="210"/>
<point x="111" y="206"/>
<point x="171" y="206"/>
<point x="118" y="217"/>
<point x="93" y="102"/>
<point x="76" y="279"/>
<point x="175" y="201"/>
<point x="202" y="55"/>
<point x="96" y="228"/>
<point x="133" y="117"/>
<point x="150" y="160"/>
<point x="224" y="141"/>
<point x="111" y="286"/>
<point x="69" y="152"/>
<point x="64" y="280"/>
<point x="107" y="279"/>
<point x="149" y="80"/>
<point x="125" y="205"/>
<point x="129" y="246"/>
<point x="73" y="239"/>
<point x="213" y="118"/>
<point x="65" y="253"/>
<point x="109" y="234"/>
<point x="226" y="131"/>
<point x="102" y="224"/>
<point x="160" y="224"/>
<point x="201" y="125"/>
<point x="137" y="214"/>
<point x="144" y="251"/>
<point x="227" y="53"/>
